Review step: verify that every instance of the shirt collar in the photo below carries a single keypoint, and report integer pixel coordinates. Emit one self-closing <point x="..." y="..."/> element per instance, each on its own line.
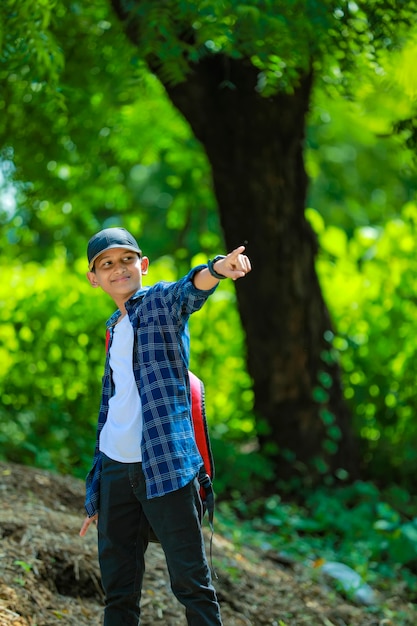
<point x="136" y="296"/>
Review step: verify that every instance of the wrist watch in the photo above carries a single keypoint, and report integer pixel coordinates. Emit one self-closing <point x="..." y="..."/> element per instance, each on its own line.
<point x="211" y="269"/>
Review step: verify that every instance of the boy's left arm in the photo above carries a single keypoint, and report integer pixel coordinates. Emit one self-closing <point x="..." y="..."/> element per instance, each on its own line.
<point x="235" y="265"/>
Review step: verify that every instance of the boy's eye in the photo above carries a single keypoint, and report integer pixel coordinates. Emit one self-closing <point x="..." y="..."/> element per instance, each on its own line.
<point x="130" y="258"/>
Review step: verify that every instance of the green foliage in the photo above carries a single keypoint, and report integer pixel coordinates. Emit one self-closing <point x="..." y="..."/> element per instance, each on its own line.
<point x="361" y="172"/>
<point x="371" y="531"/>
<point x="26" y="38"/>
<point x="281" y="39"/>
<point x="72" y="169"/>
<point x="360" y="153"/>
<point x="49" y="126"/>
<point x="370" y="284"/>
<point x="241" y="471"/>
<point x="173" y="35"/>
<point x="68" y="150"/>
<point x="26" y="567"/>
<point x="51" y="342"/>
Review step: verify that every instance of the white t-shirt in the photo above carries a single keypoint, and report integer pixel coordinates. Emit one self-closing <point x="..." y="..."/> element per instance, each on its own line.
<point x="121" y="435"/>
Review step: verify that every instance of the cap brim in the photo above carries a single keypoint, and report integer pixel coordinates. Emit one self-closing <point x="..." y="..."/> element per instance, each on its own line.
<point x="114" y="245"/>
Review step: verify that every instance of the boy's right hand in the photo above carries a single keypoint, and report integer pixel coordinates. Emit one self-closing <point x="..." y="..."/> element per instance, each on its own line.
<point x="86" y="523"/>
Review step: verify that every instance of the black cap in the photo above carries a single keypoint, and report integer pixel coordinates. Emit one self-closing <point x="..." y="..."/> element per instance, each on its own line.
<point x="110" y="238"/>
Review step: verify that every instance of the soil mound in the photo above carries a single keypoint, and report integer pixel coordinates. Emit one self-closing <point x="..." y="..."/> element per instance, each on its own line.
<point x="49" y="575"/>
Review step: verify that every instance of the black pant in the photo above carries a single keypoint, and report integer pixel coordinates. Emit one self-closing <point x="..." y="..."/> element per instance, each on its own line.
<point x="123" y="534"/>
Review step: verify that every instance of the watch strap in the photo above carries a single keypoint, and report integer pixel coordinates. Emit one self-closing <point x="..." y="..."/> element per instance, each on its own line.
<point x="211" y="269"/>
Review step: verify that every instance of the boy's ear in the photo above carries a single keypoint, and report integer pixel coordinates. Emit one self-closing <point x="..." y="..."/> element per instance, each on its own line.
<point x="92" y="279"/>
<point x="144" y="264"/>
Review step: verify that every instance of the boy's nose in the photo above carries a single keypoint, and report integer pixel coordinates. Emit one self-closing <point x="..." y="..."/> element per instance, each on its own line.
<point x="119" y="266"/>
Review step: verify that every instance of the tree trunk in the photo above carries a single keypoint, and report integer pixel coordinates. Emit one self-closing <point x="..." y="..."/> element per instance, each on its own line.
<point x="255" y="148"/>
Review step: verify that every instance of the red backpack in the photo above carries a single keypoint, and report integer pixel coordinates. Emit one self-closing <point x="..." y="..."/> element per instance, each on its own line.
<point x="198" y="416"/>
<point x="199" y="419"/>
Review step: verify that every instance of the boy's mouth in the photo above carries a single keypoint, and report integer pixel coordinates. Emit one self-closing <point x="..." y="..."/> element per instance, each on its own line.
<point x="121" y="279"/>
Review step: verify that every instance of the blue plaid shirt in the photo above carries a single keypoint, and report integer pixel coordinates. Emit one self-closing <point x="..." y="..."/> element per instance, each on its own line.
<point x="159" y="316"/>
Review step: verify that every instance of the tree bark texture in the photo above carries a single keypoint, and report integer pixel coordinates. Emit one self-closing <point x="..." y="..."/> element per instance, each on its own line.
<point x="255" y="147"/>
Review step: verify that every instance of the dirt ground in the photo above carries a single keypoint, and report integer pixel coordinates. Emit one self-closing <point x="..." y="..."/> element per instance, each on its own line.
<point x="49" y="575"/>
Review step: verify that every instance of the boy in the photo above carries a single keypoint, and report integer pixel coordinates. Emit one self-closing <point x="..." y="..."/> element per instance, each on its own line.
<point x="146" y="459"/>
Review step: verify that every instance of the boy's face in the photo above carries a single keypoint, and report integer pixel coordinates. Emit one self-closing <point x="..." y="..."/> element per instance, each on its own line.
<point x="119" y="273"/>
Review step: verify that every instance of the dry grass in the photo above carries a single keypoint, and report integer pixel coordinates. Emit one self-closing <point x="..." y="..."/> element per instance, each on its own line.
<point x="49" y="575"/>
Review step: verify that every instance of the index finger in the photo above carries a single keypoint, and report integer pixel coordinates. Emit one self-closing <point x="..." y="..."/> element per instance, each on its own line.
<point x="235" y="253"/>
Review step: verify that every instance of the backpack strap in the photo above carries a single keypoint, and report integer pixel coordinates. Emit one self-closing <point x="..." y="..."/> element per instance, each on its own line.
<point x="206" y="473"/>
